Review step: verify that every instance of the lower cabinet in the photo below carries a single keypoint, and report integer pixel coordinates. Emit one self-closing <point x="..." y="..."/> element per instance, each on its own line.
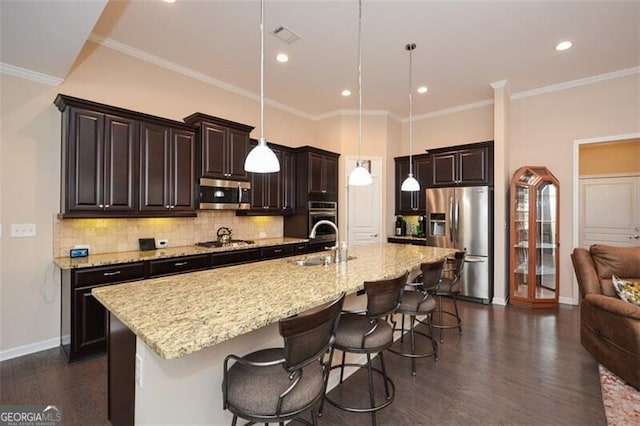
<point x="83" y="322"/>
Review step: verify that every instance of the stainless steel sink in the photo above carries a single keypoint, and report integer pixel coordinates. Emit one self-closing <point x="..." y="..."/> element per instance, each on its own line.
<point x="315" y="261"/>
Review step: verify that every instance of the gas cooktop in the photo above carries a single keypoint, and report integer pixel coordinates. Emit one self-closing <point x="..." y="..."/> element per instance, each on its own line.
<point x="231" y="243"/>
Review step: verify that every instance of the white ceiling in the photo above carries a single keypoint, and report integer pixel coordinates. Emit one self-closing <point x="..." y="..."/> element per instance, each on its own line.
<point x="462" y="46"/>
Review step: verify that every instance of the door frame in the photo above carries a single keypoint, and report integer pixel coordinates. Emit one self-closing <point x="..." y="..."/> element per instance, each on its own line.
<point x="576" y="185"/>
<point x="348" y="159"/>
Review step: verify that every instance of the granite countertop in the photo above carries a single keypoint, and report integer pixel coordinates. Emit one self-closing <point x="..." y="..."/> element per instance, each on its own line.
<point x="181" y="314"/>
<point x="105" y="259"/>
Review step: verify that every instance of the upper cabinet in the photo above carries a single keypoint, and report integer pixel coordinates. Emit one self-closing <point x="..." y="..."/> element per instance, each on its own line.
<point x="316" y="175"/>
<point x="412" y="202"/>
<point x="273" y="193"/>
<point x="121" y="163"/>
<point x="167" y="173"/>
<point x="223" y="146"/>
<point x="464" y="165"/>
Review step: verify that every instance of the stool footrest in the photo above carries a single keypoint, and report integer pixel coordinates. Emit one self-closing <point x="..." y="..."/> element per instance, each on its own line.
<point x="387" y="401"/>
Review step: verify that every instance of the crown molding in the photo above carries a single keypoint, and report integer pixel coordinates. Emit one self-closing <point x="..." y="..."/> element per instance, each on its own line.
<point x="27" y="74"/>
<point x="347" y="112"/>
<point x="576" y="83"/>
<point x="156" y="60"/>
<point x="452" y="110"/>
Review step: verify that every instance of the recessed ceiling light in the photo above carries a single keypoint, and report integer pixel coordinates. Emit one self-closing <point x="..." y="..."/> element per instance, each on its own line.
<point x="169" y="1"/>
<point x="346" y="92"/>
<point x="564" y="45"/>
<point x="282" y="57"/>
<point x="423" y="89"/>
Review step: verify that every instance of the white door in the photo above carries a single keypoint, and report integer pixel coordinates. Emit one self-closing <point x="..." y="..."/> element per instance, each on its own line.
<point x="610" y="211"/>
<point x="365" y="206"/>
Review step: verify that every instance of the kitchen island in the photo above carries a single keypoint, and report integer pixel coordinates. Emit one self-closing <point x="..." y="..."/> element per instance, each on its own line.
<point x="169" y="336"/>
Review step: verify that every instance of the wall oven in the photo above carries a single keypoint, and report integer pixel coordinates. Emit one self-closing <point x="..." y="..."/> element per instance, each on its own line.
<point x="323" y="210"/>
<point x="218" y="194"/>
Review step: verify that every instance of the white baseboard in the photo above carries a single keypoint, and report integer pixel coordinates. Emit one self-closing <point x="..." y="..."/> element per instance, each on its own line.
<point x="499" y="301"/>
<point x="29" y="349"/>
<point x="566" y="301"/>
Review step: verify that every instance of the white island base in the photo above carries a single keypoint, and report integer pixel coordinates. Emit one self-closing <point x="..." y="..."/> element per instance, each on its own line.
<point x="186" y="390"/>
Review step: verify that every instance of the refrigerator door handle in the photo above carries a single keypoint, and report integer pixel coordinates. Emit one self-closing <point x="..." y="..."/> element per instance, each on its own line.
<point x="457" y="221"/>
<point x="451" y="221"/>
<point x="475" y="259"/>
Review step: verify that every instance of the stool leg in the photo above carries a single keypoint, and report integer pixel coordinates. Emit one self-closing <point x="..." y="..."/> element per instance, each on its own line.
<point x="455" y="305"/>
<point x="314" y="419"/>
<point x="413" y="345"/>
<point x="342" y="367"/>
<point x="234" y="422"/>
<point x="326" y="380"/>
<point x="384" y="375"/>
<point x="402" y="330"/>
<point x="440" y="314"/>
<point x="371" y="395"/>
<point x="434" y="344"/>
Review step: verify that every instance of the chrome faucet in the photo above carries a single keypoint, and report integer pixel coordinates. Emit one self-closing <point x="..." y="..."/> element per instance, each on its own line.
<point x="337" y="255"/>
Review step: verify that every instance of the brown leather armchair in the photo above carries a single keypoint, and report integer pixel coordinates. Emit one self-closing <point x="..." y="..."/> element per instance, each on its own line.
<point x="609" y="326"/>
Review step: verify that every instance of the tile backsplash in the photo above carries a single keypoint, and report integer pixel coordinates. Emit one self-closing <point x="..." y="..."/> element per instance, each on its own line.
<point x="117" y="235"/>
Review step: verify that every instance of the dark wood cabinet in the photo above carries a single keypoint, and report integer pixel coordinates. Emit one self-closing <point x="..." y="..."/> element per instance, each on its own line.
<point x="316" y="176"/>
<point x="99" y="156"/>
<point x="288" y="173"/>
<point x="179" y="265"/>
<point x="465" y="165"/>
<point x="276" y="251"/>
<point x="267" y="188"/>
<point x="223" y="146"/>
<point x="83" y="318"/>
<point x="167" y="170"/>
<point x="234" y="257"/>
<point x="122" y="163"/>
<point x="410" y="202"/>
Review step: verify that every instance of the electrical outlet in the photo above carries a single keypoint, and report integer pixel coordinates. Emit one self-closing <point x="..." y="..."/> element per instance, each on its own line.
<point x="163" y="243"/>
<point x="19" y="230"/>
<point x="138" y="373"/>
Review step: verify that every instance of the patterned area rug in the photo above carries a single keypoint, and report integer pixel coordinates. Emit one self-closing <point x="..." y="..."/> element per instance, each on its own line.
<point x="621" y="401"/>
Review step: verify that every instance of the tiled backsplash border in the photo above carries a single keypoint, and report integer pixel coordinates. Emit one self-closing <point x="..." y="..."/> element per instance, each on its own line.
<point x="117" y="235"/>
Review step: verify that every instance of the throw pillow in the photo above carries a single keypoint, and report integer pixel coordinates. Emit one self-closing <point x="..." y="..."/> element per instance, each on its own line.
<point x="627" y="290"/>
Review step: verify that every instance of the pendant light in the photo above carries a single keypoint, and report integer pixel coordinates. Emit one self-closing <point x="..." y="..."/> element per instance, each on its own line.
<point x="410" y="183"/>
<point x="261" y="159"/>
<point x="360" y="176"/>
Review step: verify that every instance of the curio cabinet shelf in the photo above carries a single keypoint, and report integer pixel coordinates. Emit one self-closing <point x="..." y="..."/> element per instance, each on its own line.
<point x="534" y="238"/>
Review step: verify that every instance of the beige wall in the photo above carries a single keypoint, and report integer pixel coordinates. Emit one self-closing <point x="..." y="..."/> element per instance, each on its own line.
<point x="610" y="158"/>
<point x="543" y="129"/>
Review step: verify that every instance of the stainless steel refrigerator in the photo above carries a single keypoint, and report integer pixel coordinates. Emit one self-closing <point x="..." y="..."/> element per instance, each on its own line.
<point x="462" y="218"/>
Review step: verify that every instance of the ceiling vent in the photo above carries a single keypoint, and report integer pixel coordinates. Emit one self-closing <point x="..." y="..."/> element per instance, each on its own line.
<point x="285" y="34"/>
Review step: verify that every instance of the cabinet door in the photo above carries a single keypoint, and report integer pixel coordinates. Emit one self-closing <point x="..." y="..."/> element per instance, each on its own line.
<point x="85" y="161"/>
<point x="257" y="191"/>
<point x="183" y="175"/>
<point x="90" y="323"/>
<point x="213" y="152"/>
<point x="422" y="172"/>
<point x="316" y="181"/>
<point x="178" y="265"/>
<point x="237" y="149"/>
<point x="120" y="164"/>
<point x="288" y="178"/>
<point x="405" y="200"/>
<point x="155" y="168"/>
<point x="473" y="166"/>
<point x="330" y="175"/>
<point x="444" y="169"/>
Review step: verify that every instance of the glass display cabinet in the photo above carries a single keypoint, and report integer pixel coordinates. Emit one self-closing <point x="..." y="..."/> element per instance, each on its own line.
<point x="534" y="238"/>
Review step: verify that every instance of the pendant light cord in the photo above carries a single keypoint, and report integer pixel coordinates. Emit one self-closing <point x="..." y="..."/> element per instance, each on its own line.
<point x="359" y="83"/>
<point x="261" y="70"/>
<point x="410" y="48"/>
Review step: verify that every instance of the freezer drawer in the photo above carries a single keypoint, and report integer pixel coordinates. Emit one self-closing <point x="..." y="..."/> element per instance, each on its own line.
<point x="476" y="283"/>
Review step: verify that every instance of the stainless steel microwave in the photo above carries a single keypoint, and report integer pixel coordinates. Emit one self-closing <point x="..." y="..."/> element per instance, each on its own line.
<point x="218" y="194"/>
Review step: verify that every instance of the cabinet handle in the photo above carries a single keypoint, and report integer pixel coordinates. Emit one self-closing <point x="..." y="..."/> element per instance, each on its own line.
<point x="180" y="263"/>
<point x="167" y="207"/>
<point x="101" y="206"/>
<point x="324" y="191"/>
<point x="278" y="251"/>
<point x="634" y="237"/>
<point x="110" y="274"/>
<point x="106" y="206"/>
<point x="265" y="207"/>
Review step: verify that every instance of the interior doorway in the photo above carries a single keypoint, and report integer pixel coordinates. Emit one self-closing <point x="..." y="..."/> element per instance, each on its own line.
<point x="364" y="215"/>
<point x="606" y="199"/>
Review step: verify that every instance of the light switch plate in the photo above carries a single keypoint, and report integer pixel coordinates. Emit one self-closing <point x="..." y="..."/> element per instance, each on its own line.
<point x="19" y="230"/>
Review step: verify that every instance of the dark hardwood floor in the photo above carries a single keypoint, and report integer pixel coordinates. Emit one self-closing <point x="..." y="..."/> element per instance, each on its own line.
<point x="512" y="366"/>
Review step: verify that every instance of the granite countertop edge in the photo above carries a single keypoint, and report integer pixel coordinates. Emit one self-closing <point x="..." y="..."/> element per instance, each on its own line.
<point x="115" y="258"/>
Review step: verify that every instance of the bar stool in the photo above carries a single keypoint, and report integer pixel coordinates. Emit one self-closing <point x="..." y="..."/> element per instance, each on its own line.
<point x="367" y="332"/>
<point x="416" y="301"/>
<point x="449" y="287"/>
<point x="279" y="384"/>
